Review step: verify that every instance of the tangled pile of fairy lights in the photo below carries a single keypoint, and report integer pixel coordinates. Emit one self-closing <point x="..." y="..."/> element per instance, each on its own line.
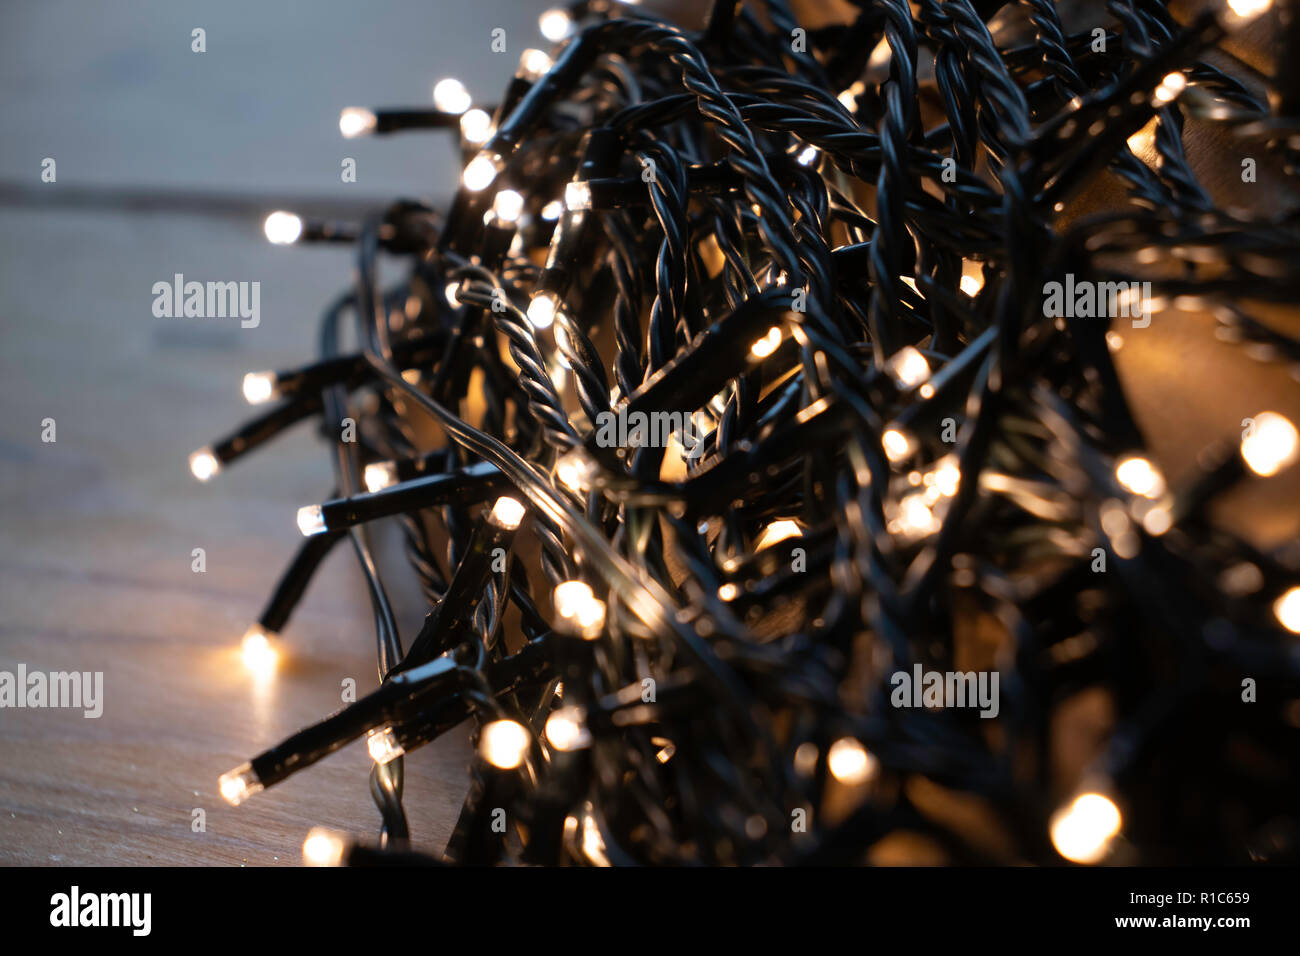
<point x="824" y="250"/>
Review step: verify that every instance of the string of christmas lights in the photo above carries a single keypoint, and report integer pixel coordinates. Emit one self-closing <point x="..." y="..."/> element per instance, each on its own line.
<point x="821" y="255"/>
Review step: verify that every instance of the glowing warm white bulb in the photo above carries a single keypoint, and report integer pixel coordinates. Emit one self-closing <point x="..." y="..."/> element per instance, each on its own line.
<point x="573" y="470"/>
<point x="259" y="652"/>
<point x="807" y="156"/>
<point x="1170" y="87"/>
<point x="577" y="196"/>
<point x="1287" y="610"/>
<point x="282" y="228"/>
<point x="507" y="513"/>
<point x="258" y="387"/>
<point x="1140" y="477"/>
<point x="566" y="728"/>
<point x="357" y="121"/>
<point x="504" y="744"/>
<point x="479" y="173"/>
<point x="971" y="285"/>
<point x="239" y="784"/>
<point x="555" y="24"/>
<point x="553" y="210"/>
<point x="908" y="367"/>
<point x="574" y="601"/>
<point x="323" y="847"/>
<point x="380" y="475"/>
<point x="541" y="310"/>
<point x="849" y="762"/>
<point x="1082" y="832"/>
<point x="1241" y="12"/>
<point x="767" y="344"/>
<point x="450" y="96"/>
<point x="593" y="844"/>
<point x="1271" y="445"/>
<point x="728" y="592"/>
<point x="311" y="520"/>
<point x="204" y="464"/>
<point x="475" y="126"/>
<point x="947" y="475"/>
<point x="533" y="63"/>
<point x="777" y="531"/>
<point x="896" y="443"/>
<point x="1158" y="520"/>
<point x="508" y="205"/>
<point x="915" y="516"/>
<point x="382" y="745"/>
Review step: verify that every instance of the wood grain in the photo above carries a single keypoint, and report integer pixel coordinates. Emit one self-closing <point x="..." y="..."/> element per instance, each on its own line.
<point x="95" y="559"/>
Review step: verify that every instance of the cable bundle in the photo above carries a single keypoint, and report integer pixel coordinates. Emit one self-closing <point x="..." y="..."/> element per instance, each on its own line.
<point x="748" y="400"/>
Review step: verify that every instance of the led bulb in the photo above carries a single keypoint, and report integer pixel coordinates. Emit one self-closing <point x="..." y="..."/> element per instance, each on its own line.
<point x="258" y="651"/>
<point x="1082" y="832"/>
<point x="1287" y="610"/>
<point x="908" y="367"/>
<point x="807" y="156"/>
<point x="475" y="126"/>
<point x="504" y="744"/>
<point x="915" y="519"/>
<point x="541" y="310"/>
<point x="777" y="531"/>
<point x="507" y="513"/>
<point x="324" y="847"/>
<point x="850" y="763"/>
<point x="508" y="205"/>
<point x="534" y="63"/>
<point x="259" y="387"/>
<point x="768" y="344"/>
<point x="282" y="228"/>
<point x="311" y="520"/>
<point x="480" y="172"/>
<point x="566" y="729"/>
<point x="577" y="604"/>
<point x="450" y="96"/>
<point x="577" y="196"/>
<point x="569" y="595"/>
<point x="357" y="121"/>
<point x="239" y="784"/>
<point x="1271" y="445"/>
<point x="552" y="210"/>
<point x="1140" y="477"/>
<point x="573" y="470"/>
<point x="382" y="745"/>
<point x="380" y="475"/>
<point x="897" y="444"/>
<point x="204" y="464"/>
<point x="946" y="476"/>
<point x="1169" y="88"/>
<point x="1241" y="12"/>
<point x="555" y="24"/>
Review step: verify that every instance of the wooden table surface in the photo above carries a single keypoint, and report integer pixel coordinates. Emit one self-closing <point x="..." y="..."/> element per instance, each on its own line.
<point x="96" y="570"/>
<point x="97" y="529"/>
